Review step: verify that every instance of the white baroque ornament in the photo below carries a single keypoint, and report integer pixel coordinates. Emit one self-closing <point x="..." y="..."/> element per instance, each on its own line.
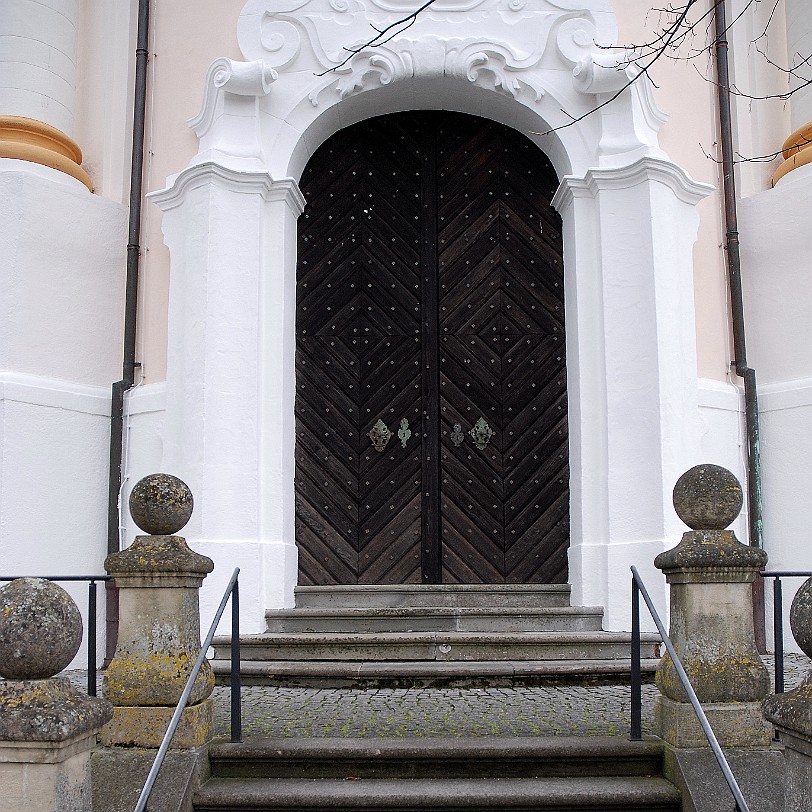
<point x="495" y="42"/>
<point x="227" y="76"/>
<point x="478" y="62"/>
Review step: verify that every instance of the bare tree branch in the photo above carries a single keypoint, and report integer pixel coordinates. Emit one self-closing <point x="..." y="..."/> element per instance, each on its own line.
<point x="383" y="36"/>
<point x="742" y="159"/>
<point x="769" y="20"/>
<point x="626" y="85"/>
<point x="675" y="34"/>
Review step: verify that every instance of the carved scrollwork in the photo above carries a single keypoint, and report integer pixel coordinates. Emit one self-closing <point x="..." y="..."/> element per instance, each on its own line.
<point x="384" y="66"/>
<point x="281" y="42"/>
<point x="275" y="30"/>
<point x="402" y="7"/>
<point x="505" y="72"/>
<point x="576" y="40"/>
<point x="478" y="62"/>
<point x="495" y="43"/>
<point x="229" y="76"/>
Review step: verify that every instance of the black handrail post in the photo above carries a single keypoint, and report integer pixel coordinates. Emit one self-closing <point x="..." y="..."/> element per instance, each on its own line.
<point x="636" y="733"/>
<point x="91" y="638"/>
<point x="236" y="694"/>
<point x="778" y="633"/>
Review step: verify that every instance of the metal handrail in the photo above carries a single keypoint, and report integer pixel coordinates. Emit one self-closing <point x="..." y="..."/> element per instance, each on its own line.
<point x="91" y="616"/>
<point x="639" y="588"/>
<point x="232" y="591"/>
<point x="778" y="619"/>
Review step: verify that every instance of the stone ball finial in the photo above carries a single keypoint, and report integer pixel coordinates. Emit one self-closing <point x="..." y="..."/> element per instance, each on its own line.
<point x="800" y="617"/>
<point x="161" y="504"/>
<point x="708" y="497"/>
<point x="40" y="629"/>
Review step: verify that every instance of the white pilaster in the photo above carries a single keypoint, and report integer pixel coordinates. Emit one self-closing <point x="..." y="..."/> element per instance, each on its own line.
<point x="631" y="349"/>
<point x="228" y="430"/>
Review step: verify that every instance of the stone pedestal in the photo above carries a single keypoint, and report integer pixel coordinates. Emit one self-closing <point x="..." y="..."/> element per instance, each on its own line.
<point x="47" y="732"/>
<point x="710" y="574"/>
<point x="159" y="628"/>
<point x="791" y="713"/>
<point x="137" y="726"/>
<point x="735" y="724"/>
<point x="47" y="728"/>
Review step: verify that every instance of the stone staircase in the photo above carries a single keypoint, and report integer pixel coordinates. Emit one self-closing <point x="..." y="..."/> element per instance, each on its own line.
<point x="547" y="773"/>
<point x="467" y="634"/>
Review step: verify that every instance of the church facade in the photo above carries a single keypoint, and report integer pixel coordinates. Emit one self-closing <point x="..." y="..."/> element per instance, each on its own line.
<point x="438" y="298"/>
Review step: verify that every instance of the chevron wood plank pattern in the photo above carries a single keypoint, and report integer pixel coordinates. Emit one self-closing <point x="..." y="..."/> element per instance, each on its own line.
<point x="430" y="291"/>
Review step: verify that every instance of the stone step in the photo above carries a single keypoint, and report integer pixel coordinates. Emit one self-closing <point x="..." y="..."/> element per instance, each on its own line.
<point x="434" y="619"/>
<point x="411" y="674"/>
<point x="651" y="794"/>
<point x="441" y="757"/>
<point x="563" y="773"/>
<point x="416" y="595"/>
<point x="440" y="646"/>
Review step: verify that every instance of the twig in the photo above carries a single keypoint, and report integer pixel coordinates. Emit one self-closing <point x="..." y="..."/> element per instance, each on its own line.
<point x="381" y="38"/>
<point x="626" y="85"/>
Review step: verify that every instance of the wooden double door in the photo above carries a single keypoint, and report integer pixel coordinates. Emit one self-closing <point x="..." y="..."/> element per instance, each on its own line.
<point x="431" y="413"/>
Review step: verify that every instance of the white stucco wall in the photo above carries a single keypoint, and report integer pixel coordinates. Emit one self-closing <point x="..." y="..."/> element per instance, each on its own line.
<point x="777" y="254"/>
<point x="685" y="95"/>
<point x="60" y="328"/>
<point x="61" y="307"/>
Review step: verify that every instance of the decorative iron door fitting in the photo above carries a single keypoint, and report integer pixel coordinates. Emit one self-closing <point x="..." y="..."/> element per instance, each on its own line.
<point x="404" y="432"/>
<point x="380" y="435"/>
<point x="481" y="433"/>
<point x="457" y="436"/>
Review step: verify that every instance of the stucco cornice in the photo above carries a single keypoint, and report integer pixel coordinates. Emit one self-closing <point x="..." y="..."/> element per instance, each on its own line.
<point x="645" y="170"/>
<point x="242" y="182"/>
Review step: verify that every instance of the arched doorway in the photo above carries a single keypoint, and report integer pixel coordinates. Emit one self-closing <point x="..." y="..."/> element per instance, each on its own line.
<point x="431" y="417"/>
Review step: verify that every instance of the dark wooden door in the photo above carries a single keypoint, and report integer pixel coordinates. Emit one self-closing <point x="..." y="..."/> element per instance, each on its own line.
<point x="431" y="383"/>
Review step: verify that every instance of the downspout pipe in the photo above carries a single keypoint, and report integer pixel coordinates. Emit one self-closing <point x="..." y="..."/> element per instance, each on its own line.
<point x="739" y="363"/>
<point x="130" y="316"/>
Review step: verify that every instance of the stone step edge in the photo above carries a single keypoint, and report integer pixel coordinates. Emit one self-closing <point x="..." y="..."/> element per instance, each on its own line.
<point x="432" y="793"/>
<point x="431" y="668"/>
<point x="433" y="637"/>
<point x="431" y="611"/>
<point x="337" y="589"/>
<point x="411" y="747"/>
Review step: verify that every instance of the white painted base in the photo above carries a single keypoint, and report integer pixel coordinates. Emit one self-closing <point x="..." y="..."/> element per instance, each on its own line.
<point x="786" y="451"/>
<point x="53" y="485"/>
<point x="268" y="567"/>
<point x="61" y="292"/>
<point x="268" y="572"/>
<point x="776" y="258"/>
<point x="722" y="439"/>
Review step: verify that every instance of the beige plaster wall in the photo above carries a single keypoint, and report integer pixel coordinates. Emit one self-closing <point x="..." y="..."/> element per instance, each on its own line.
<point x="185" y="38"/>
<point x="689" y="137"/>
<point x="686" y="91"/>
